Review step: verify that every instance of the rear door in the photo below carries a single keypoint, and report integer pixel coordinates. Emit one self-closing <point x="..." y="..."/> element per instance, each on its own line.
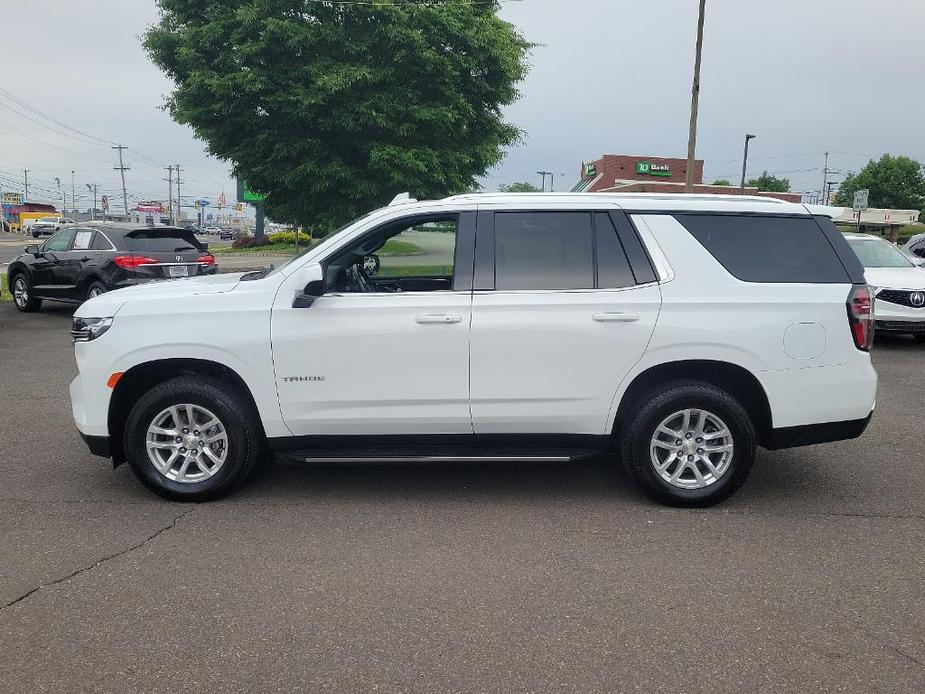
<point x="564" y="305"/>
<point x="166" y="253"/>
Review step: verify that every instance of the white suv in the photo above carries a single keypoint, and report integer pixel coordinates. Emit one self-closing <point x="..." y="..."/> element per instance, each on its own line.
<point x="679" y="332"/>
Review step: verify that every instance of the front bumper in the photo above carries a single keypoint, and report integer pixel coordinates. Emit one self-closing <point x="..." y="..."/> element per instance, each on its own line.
<point x="899" y="326"/>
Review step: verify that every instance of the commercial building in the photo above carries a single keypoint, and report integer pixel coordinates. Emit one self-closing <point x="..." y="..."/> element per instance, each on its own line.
<point x="626" y="173"/>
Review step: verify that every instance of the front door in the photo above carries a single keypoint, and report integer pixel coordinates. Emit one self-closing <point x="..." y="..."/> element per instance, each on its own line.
<point x="385" y="350"/>
<point x="48" y="274"/>
<point x="562" y="310"/>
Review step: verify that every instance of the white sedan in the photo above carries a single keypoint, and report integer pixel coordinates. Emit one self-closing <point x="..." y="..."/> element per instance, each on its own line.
<point x="898" y="285"/>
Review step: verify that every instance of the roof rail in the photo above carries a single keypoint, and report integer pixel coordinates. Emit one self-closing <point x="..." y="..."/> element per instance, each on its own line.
<point x="401" y="199"/>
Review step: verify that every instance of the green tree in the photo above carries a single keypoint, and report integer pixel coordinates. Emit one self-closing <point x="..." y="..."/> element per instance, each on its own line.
<point x="770" y="183"/>
<point x="894" y="182"/>
<point x="721" y="182"/>
<point x="519" y="188"/>
<point x="329" y="109"/>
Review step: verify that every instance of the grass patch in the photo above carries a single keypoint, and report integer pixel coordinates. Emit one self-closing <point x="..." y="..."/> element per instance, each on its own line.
<point x="274" y="248"/>
<point x="5" y="289"/>
<point x="394" y="247"/>
<point x="415" y="271"/>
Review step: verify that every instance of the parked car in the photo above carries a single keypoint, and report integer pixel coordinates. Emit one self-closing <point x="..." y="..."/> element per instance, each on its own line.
<point x="225" y="234"/>
<point x="898" y="285"/>
<point x="81" y="262"/>
<point x="212" y="230"/>
<point x="678" y="332"/>
<point x="46" y="226"/>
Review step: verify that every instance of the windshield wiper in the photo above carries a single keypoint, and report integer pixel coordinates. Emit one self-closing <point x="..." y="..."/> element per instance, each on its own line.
<point x="256" y="275"/>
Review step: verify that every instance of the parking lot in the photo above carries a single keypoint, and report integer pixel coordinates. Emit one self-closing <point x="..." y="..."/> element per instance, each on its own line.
<point x="447" y="578"/>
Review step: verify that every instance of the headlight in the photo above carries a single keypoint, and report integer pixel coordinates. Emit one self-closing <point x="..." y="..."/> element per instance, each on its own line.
<point x="86" y="329"/>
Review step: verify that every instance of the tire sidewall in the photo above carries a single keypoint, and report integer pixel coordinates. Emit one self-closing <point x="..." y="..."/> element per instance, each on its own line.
<point x="181" y="391"/>
<point x="680" y="397"/>
<point x="91" y="287"/>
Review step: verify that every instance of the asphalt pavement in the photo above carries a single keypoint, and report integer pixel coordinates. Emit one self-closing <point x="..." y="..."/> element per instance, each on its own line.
<point x="485" y="578"/>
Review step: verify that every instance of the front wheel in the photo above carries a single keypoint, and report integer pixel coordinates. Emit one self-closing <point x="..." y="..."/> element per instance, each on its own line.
<point x="22" y="295"/>
<point x="689" y="444"/>
<point x="192" y="439"/>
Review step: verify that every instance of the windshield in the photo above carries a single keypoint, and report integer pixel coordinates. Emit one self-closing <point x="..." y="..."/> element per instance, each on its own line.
<point x="163" y="241"/>
<point x="48" y="220"/>
<point x="876" y="253"/>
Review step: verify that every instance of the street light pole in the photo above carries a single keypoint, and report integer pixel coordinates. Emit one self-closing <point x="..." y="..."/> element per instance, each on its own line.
<point x="544" y="174"/>
<point x="93" y="190"/>
<point x="745" y="159"/>
<point x="73" y="194"/>
<point x="695" y="100"/>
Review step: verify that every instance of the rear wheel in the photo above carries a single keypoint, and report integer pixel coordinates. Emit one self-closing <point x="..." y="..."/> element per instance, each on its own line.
<point x="22" y="294"/>
<point x="192" y="439"/>
<point x="94" y="290"/>
<point x="689" y="444"/>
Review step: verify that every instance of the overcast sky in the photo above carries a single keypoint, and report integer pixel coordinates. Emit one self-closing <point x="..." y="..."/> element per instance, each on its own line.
<point x="610" y="76"/>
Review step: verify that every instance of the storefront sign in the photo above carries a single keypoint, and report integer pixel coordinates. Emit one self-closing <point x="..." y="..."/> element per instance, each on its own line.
<point x="12" y="199"/>
<point x="644" y="168"/>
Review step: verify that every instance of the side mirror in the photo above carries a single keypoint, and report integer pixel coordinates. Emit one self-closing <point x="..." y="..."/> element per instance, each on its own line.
<point x="33" y="249"/>
<point x="311" y="279"/>
<point x="205" y="246"/>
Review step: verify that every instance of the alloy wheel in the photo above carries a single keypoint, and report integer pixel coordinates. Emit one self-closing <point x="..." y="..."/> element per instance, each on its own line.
<point x="20" y="292"/>
<point x="187" y="443"/>
<point x="691" y="449"/>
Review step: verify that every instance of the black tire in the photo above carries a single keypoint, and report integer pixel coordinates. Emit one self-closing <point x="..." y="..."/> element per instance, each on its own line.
<point x="94" y="289"/>
<point x="21" y="281"/>
<point x="234" y="410"/>
<point x="671" y="398"/>
<point x="919" y="337"/>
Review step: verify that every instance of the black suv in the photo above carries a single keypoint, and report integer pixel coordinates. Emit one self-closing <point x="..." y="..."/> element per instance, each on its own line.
<point x="80" y="262"/>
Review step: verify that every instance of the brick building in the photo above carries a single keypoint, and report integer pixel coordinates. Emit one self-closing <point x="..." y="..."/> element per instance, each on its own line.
<point x="624" y="173"/>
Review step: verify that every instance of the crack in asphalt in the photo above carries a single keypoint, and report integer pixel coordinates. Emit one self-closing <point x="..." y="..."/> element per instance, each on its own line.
<point x="99" y="562"/>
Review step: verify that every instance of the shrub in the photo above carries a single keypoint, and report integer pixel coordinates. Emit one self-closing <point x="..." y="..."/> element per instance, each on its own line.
<point x="289" y="237"/>
<point x="248" y="241"/>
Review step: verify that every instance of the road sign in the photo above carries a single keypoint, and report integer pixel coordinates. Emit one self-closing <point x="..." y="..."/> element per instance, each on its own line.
<point x="860" y="199"/>
<point x="105" y="203"/>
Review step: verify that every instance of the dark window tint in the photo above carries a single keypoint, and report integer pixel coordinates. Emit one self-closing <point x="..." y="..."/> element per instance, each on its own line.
<point x="613" y="269"/>
<point x="163" y="241"/>
<point x="100" y="243"/>
<point x="918" y="249"/>
<point x="543" y="250"/>
<point x="768" y="248"/>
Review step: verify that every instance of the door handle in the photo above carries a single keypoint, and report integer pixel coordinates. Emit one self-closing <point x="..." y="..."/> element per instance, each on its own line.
<point x="438" y="318"/>
<point x="615" y="317"/>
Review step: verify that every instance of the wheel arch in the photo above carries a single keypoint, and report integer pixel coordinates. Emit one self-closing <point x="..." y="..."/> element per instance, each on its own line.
<point x="738" y="381"/>
<point x="144" y="376"/>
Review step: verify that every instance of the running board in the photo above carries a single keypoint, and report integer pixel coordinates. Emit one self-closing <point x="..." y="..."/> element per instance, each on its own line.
<point x="430" y="459"/>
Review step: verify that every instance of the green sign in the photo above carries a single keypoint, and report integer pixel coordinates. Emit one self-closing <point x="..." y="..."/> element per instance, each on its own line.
<point x="644" y="168"/>
<point x="245" y="194"/>
<point x="590" y="169"/>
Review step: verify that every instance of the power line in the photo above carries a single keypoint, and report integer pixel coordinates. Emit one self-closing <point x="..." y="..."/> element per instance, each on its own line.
<point x="54" y="120"/>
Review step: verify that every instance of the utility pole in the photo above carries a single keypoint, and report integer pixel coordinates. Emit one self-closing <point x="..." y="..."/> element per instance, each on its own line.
<point x="169" y="180"/>
<point x="122" y="168"/>
<point x="745" y="160"/>
<point x="825" y="174"/>
<point x="25" y="178"/>
<point x="63" y="199"/>
<point x="695" y="101"/>
<point x="93" y="189"/>
<point x="544" y="174"/>
<point x="73" y="194"/>
<point x="179" y="208"/>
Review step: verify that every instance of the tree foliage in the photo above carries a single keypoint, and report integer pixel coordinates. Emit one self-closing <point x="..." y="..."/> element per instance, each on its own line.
<point x="721" y="182"/>
<point x="894" y="182"/>
<point x="522" y="187"/>
<point x="331" y="108"/>
<point x="770" y="183"/>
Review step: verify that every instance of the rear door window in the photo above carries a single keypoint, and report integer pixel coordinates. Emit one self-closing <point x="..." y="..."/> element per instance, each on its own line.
<point x="162" y="241"/>
<point x="82" y="239"/>
<point x="768" y="248"/>
<point x="543" y="250"/>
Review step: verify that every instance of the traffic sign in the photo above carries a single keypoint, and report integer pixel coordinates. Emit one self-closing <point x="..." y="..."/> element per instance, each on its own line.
<point x="860" y="199"/>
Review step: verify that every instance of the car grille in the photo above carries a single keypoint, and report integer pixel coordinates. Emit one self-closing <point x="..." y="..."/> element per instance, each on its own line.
<point x="897" y="296"/>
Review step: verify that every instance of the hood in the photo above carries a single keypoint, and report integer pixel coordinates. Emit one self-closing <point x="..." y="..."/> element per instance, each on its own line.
<point x="896" y="277"/>
<point x="109" y="303"/>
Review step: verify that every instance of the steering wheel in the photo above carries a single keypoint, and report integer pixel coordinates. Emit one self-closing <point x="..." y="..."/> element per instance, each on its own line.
<point x="358" y="280"/>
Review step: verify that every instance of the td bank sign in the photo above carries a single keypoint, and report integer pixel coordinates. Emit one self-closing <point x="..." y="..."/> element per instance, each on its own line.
<point x="644" y="168"/>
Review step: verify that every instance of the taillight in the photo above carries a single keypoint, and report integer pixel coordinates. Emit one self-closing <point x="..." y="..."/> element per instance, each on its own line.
<point x="133" y="261"/>
<point x="861" y="316"/>
<point x="207" y="259"/>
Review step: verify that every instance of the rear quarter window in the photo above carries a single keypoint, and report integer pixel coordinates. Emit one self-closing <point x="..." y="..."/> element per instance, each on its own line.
<point x="756" y="248"/>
